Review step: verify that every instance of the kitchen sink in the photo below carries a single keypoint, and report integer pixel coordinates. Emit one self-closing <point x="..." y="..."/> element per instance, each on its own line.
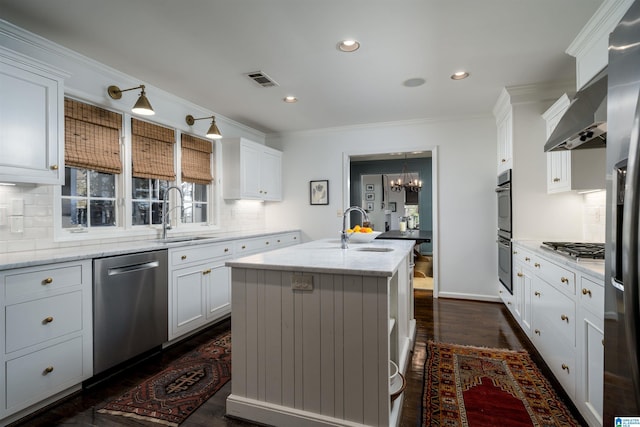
<point x="374" y="249"/>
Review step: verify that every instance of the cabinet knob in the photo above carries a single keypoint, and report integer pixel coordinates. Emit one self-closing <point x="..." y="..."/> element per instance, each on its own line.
<point x="48" y="370"/>
<point x="537" y="332"/>
<point x="564" y="280"/>
<point x="586" y="291"/>
<point x="537" y="264"/>
<point x="503" y="160"/>
<point x="278" y="240"/>
<point x="183" y="257"/>
<point x="295" y="238"/>
<point x="266" y="243"/>
<point x="527" y="259"/>
<point x="536" y="293"/>
<point x="47" y="281"/>
<point x="226" y="249"/>
<point x="47" y="320"/>
<point x="556" y="179"/>
<point x="207" y="271"/>
<point x="54" y="167"/>
<point x="243" y="246"/>
<point x="565" y="367"/>
<point x="520" y="274"/>
<point x="508" y="302"/>
<point x="565" y="318"/>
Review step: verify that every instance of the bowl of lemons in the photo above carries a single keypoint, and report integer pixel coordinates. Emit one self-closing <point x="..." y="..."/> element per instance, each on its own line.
<point x="360" y="234"/>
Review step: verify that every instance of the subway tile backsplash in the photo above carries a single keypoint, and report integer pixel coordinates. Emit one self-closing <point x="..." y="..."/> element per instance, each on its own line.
<point x="594" y="214"/>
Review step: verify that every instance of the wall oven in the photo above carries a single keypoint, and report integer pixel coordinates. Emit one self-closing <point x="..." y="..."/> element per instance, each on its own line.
<point x="503" y="191"/>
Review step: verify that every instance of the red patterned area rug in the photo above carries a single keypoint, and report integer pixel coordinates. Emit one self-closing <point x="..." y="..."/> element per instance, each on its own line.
<point x="484" y="387"/>
<point x="169" y="397"/>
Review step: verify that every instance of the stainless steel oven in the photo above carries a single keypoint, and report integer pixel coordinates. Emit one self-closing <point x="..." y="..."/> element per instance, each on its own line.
<point x="503" y="191"/>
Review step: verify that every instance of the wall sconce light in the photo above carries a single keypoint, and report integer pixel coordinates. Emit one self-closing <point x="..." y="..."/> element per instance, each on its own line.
<point x="213" y="132"/>
<point x="142" y="106"/>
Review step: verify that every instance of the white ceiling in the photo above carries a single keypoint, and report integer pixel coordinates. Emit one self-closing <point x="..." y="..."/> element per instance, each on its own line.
<point x="199" y="50"/>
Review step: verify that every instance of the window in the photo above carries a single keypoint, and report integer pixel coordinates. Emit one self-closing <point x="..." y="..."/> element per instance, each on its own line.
<point x="196" y="176"/>
<point x="195" y="203"/>
<point x="146" y="200"/>
<point x="88" y="199"/>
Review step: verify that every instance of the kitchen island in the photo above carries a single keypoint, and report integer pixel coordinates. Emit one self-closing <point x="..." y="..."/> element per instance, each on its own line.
<point x="314" y="329"/>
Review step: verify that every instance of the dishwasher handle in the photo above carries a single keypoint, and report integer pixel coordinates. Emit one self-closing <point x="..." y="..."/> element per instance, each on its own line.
<point x="131" y="268"/>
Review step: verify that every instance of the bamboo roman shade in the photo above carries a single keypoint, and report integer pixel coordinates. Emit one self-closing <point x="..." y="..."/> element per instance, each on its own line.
<point x="152" y="151"/>
<point x="196" y="160"/>
<point x="92" y="137"/>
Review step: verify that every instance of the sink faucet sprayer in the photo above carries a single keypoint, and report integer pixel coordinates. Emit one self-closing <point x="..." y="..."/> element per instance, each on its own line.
<point x="166" y="224"/>
<point x="344" y="236"/>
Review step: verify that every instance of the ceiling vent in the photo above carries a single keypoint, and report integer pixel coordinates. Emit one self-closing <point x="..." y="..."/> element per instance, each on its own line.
<point x="261" y="78"/>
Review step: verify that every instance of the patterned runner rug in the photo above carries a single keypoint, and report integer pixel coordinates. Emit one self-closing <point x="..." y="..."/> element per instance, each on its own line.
<point x="484" y="387"/>
<point x="170" y="396"/>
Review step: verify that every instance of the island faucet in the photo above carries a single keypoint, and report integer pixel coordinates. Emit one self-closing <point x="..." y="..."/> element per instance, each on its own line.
<point x="166" y="224"/>
<point x="344" y="236"/>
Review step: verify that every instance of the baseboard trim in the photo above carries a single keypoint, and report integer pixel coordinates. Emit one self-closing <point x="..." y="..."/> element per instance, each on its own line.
<point x="475" y="297"/>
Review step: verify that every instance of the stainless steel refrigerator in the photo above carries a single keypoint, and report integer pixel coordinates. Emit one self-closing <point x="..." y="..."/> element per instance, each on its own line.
<point x="622" y="300"/>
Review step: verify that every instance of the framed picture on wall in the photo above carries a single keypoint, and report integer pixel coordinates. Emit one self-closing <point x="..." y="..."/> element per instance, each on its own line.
<point x="370" y="196"/>
<point x="319" y="192"/>
<point x="392" y="206"/>
<point x="369" y="187"/>
<point x="369" y="206"/>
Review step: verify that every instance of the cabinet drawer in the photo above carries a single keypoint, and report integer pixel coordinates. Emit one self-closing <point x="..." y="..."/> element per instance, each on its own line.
<point x="523" y="256"/>
<point x="555" y="308"/>
<point x="288" y="239"/>
<point x="190" y="254"/>
<point x="43" y="280"/>
<point x="28" y="379"/>
<point x="592" y="296"/>
<point x="559" y="356"/>
<point x="40" y="320"/>
<point x="249" y="246"/>
<point x="559" y="277"/>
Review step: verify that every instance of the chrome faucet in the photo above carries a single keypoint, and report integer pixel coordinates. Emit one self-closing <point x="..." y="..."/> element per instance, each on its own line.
<point x="344" y="236"/>
<point x="166" y="223"/>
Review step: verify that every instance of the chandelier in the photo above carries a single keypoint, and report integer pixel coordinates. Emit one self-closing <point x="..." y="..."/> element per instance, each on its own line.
<point x="406" y="182"/>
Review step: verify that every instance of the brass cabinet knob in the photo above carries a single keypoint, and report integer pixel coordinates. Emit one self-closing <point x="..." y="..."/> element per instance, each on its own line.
<point x="508" y="302"/>
<point x="278" y="240"/>
<point x="519" y="274"/>
<point x="515" y="252"/>
<point x="48" y="370"/>
<point x="565" y="367"/>
<point x="586" y="291"/>
<point x="565" y="318"/>
<point x="564" y="280"/>
<point x="266" y="243"/>
<point x="537" y="331"/>
<point x="54" y="167"/>
<point x="527" y="259"/>
<point x="556" y="179"/>
<point x="207" y="271"/>
<point x="47" y="320"/>
<point x="536" y="293"/>
<point x="503" y="161"/>
<point x="47" y="281"/>
<point x="243" y="246"/>
<point x="226" y="249"/>
<point x="295" y="238"/>
<point x="183" y="257"/>
<point x="537" y="264"/>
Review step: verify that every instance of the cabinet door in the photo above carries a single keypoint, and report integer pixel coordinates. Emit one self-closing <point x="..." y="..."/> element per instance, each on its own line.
<point x="271" y="175"/>
<point x="505" y="142"/>
<point x="31" y="126"/>
<point x="250" y="174"/>
<point x="592" y="365"/>
<point x="558" y="171"/>
<point x="187" y="300"/>
<point x="218" y="292"/>
<point x="522" y="294"/>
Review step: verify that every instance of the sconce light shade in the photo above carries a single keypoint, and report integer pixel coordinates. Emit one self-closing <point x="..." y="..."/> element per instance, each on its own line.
<point x="142" y="105"/>
<point x="213" y="132"/>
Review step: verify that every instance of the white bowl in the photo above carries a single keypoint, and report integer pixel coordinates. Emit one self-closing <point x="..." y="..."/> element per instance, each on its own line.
<point x="363" y="237"/>
<point x="394" y="377"/>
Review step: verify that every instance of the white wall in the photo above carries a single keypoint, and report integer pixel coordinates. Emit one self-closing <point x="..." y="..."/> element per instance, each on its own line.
<point x="465" y="203"/>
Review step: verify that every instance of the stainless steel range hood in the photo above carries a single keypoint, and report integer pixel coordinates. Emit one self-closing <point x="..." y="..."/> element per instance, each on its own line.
<point x="584" y="124"/>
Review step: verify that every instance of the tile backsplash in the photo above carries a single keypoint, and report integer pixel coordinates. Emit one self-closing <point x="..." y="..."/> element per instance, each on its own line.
<point x="594" y="214"/>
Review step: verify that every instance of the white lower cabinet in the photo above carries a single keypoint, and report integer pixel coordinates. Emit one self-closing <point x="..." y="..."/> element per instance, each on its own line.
<point x="561" y="309"/>
<point x="47" y="348"/>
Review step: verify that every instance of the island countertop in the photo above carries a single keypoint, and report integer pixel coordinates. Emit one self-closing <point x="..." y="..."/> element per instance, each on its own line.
<point x="376" y="258"/>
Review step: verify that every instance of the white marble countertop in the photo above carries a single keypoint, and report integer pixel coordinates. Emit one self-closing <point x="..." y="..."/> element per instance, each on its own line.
<point x="99" y="250"/>
<point x="326" y="256"/>
<point x="594" y="268"/>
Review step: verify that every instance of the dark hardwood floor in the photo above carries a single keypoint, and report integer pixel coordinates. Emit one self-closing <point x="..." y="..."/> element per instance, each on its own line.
<point x="447" y="320"/>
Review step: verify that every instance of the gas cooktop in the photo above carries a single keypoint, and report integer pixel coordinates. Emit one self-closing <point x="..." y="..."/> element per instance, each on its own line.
<point x="577" y="250"/>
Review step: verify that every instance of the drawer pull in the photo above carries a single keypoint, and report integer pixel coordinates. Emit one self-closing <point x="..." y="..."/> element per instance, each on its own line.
<point x="47" y="320"/>
<point x="295" y="238"/>
<point x="183" y="257"/>
<point x="527" y="259"/>
<point x="520" y="274"/>
<point x="536" y="293"/>
<point x="537" y="264"/>
<point x="564" y="280"/>
<point x="266" y="243"/>
<point x="515" y="252"/>
<point x="537" y="331"/>
<point x="586" y="291"/>
<point x="556" y="179"/>
<point x="47" y="370"/>
<point x="565" y="367"/>
<point x="243" y="246"/>
<point x="565" y="318"/>
<point x="278" y="240"/>
<point x="226" y="249"/>
<point x="503" y="161"/>
<point x="207" y="271"/>
<point x="508" y="302"/>
<point x="47" y="281"/>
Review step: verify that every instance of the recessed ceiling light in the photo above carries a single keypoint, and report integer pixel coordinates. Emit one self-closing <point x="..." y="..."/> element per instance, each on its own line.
<point x="290" y="99"/>
<point x="349" y="45"/>
<point x="414" y="82"/>
<point x="459" y="75"/>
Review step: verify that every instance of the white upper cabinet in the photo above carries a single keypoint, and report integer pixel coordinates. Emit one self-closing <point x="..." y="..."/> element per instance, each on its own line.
<point x="568" y="170"/>
<point x="251" y="171"/>
<point x="31" y="120"/>
<point x="503" y="113"/>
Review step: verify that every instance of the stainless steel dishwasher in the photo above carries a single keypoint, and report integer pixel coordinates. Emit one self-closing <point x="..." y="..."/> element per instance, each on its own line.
<point x="130" y="306"/>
